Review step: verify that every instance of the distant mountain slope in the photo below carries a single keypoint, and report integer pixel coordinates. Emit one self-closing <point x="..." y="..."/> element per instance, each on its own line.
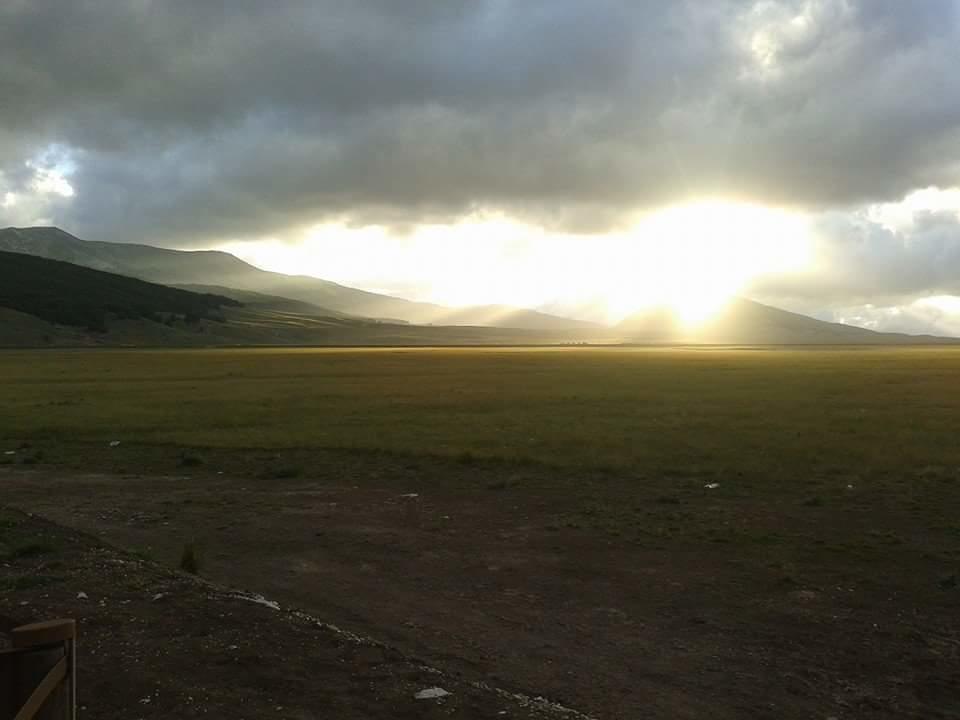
<point x="206" y="267"/>
<point x="507" y="316"/>
<point x="745" y="322"/>
<point x="53" y="303"/>
<point x="283" y="301"/>
<point x="19" y="330"/>
<point x="67" y="294"/>
<point x="271" y="303"/>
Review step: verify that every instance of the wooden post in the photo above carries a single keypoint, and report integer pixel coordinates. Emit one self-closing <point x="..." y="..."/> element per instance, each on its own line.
<point x="48" y="661"/>
<point x="7" y="671"/>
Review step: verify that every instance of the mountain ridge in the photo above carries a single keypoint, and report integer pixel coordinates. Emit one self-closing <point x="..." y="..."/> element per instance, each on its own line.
<point x="67" y="294"/>
<point x="53" y="303"/>
<point x="297" y="309"/>
<point x="215" y="267"/>
<point x="747" y="322"/>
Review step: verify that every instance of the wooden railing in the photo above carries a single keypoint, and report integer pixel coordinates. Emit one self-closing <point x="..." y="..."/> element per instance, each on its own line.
<point x="38" y="675"/>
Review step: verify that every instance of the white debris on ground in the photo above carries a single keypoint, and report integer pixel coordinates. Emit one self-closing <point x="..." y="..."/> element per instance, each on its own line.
<point x="411" y="495"/>
<point x="433" y="693"/>
<point x="114" y="443"/>
<point x="258" y="599"/>
<point x="10" y="452"/>
<point x="712" y="486"/>
<point x="537" y="703"/>
<point x="82" y="595"/>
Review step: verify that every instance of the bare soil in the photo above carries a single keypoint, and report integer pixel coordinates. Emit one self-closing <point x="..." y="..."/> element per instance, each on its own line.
<point x="154" y="643"/>
<point x="618" y="596"/>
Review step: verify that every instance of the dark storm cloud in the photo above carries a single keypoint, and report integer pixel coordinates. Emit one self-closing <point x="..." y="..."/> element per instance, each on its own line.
<point x="192" y="121"/>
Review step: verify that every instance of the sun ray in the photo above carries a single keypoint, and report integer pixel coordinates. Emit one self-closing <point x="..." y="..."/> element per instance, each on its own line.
<point x="690" y="258"/>
<point x="693" y="259"/>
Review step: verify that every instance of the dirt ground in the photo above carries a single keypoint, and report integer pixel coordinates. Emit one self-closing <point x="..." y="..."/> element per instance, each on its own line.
<point x="618" y="597"/>
<point x="154" y="643"/>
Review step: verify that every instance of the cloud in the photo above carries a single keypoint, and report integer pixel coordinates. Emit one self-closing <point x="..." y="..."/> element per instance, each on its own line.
<point x="36" y="190"/>
<point x="887" y="253"/>
<point x="888" y="266"/>
<point x="939" y="315"/>
<point x="194" y="122"/>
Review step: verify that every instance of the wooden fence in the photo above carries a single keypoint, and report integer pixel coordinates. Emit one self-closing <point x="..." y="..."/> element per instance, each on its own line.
<point x="38" y="675"/>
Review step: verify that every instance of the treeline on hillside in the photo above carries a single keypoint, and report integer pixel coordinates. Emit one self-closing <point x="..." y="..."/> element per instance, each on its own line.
<point x="68" y="294"/>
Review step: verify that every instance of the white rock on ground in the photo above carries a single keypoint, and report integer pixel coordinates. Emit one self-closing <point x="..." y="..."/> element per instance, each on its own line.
<point x="433" y="693"/>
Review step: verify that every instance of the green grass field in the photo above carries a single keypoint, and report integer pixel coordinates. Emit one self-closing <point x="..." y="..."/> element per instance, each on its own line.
<point x="747" y="533"/>
<point x="652" y="410"/>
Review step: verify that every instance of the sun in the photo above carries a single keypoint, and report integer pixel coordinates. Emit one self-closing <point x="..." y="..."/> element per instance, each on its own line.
<point x="695" y="258"/>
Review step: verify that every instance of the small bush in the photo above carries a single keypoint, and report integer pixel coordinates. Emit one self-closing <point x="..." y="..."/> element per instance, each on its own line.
<point x="466" y="458"/>
<point x="143" y="554"/>
<point x="190" y="461"/>
<point x="34" y="459"/>
<point x="281" y="473"/>
<point x="28" y="582"/>
<point x="8" y="523"/>
<point x="190" y="559"/>
<point x="30" y="549"/>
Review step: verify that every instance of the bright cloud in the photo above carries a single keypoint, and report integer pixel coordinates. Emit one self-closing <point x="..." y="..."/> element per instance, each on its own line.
<point x="51" y="182"/>
<point x="903" y="215"/>
<point x="38" y="189"/>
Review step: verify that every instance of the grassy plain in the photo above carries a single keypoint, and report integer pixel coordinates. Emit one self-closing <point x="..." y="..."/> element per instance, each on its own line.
<point x="666" y="533"/>
<point x="766" y="411"/>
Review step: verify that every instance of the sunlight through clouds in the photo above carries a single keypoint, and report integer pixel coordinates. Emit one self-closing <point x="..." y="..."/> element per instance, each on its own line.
<point x="773" y="31"/>
<point x="32" y="193"/>
<point x="51" y="182"/>
<point x="694" y="258"/>
<point x="569" y="157"/>
<point x="691" y="258"/>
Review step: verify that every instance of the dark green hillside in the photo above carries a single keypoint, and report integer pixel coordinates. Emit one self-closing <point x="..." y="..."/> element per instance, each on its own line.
<point x="210" y="267"/>
<point x="68" y="294"/>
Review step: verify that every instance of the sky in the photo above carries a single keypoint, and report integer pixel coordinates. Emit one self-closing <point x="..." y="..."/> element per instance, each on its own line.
<point x="582" y="158"/>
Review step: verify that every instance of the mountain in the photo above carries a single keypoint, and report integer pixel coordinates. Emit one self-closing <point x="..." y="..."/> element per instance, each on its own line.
<point x="507" y="316"/>
<point x="745" y="322"/>
<point x="210" y="267"/>
<point x="54" y="303"/>
<point x="652" y="325"/>
<point x="480" y="315"/>
<point x="66" y="294"/>
<point x="285" y="309"/>
<point x="270" y="303"/>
